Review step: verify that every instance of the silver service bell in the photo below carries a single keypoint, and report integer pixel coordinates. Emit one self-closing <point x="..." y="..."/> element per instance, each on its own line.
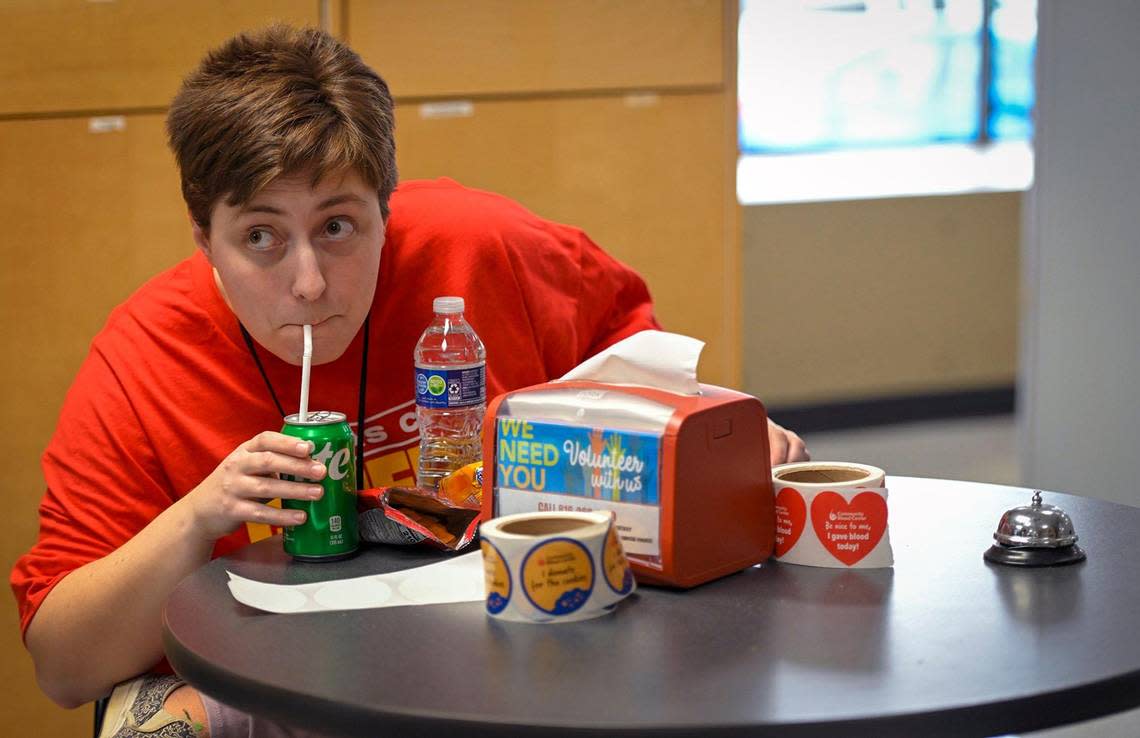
<point x="1038" y="534"/>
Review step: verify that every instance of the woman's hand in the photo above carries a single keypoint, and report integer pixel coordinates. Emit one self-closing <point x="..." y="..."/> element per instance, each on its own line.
<point x="785" y="446"/>
<point x="236" y="491"/>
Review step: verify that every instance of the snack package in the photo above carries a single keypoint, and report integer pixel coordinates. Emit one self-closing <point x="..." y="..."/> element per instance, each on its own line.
<point x="464" y="486"/>
<point x="406" y="515"/>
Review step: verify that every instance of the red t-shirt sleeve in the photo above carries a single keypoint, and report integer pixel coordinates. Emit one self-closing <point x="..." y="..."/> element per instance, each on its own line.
<point x="579" y="298"/>
<point x="103" y="485"/>
<point x="614" y="302"/>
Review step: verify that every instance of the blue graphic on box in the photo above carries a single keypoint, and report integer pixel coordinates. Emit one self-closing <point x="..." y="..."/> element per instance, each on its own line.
<point x="599" y="463"/>
<point x="453" y="387"/>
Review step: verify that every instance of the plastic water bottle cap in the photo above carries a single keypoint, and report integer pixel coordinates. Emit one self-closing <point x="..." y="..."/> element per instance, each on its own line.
<point x="447" y="305"/>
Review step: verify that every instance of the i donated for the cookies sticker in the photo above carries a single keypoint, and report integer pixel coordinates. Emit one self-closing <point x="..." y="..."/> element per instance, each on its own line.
<point x="618" y="575"/>
<point x="498" y="579"/>
<point x="558" y="576"/>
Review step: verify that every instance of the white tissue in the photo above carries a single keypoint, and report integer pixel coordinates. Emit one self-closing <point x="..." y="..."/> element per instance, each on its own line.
<point x="458" y="579"/>
<point x="655" y="359"/>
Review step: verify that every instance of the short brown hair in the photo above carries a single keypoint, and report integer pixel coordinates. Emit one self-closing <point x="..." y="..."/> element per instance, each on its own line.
<point x="275" y="102"/>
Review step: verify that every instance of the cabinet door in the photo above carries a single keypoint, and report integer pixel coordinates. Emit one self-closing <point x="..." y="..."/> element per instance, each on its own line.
<point x="79" y="55"/>
<point x="645" y="176"/>
<point x="88" y="217"/>
<point x="455" y="47"/>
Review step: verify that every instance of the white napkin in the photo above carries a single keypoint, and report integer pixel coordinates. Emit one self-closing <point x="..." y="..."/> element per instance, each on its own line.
<point x="656" y="359"/>
<point x="458" y="579"/>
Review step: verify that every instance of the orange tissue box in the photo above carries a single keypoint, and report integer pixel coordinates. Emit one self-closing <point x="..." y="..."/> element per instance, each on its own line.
<point x="687" y="477"/>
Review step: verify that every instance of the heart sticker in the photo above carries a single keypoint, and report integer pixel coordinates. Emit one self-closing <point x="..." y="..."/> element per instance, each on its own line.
<point x="791" y="514"/>
<point x="849" y="530"/>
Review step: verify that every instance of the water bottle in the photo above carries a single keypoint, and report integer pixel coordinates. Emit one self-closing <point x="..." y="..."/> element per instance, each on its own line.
<point x="451" y="392"/>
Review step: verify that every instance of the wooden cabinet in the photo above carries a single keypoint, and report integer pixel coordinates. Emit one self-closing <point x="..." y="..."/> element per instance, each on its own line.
<point x="642" y="175"/>
<point x="88" y="217"/>
<point x="435" y="48"/>
<point x="80" y="55"/>
<point x="618" y="117"/>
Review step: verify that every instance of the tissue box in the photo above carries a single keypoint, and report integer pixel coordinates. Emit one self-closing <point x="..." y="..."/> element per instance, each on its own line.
<point x="687" y="476"/>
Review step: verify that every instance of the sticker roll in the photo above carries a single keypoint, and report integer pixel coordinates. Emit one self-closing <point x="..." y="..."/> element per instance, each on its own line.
<point x="832" y="513"/>
<point x="553" y="567"/>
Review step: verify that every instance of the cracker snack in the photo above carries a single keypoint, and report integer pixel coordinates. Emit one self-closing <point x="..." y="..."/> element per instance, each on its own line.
<point x="405" y="515"/>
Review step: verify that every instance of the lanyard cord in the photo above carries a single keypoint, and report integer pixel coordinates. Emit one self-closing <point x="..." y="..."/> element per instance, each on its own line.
<point x="256" y="360"/>
<point x="360" y="409"/>
<point x="360" y="394"/>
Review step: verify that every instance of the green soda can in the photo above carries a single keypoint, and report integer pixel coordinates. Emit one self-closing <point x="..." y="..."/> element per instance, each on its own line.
<point x="329" y="532"/>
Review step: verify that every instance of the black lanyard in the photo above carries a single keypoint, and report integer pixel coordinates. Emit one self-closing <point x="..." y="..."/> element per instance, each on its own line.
<point x="360" y="405"/>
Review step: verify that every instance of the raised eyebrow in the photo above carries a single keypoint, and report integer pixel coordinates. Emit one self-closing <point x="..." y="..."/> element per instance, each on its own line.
<point x="324" y="204"/>
<point x="262" y="209"/>
<point x="340" y="199"/>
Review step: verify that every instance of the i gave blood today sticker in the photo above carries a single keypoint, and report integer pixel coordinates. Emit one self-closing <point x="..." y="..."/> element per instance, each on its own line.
<point x="836" y="528"/>
<point x="849" y="530"/>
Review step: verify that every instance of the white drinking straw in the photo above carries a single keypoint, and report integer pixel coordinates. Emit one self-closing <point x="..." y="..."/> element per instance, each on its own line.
<point x="306" y="366"/>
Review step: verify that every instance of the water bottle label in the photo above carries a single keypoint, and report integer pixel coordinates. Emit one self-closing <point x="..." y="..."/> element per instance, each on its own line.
<point x="454" y="387"/>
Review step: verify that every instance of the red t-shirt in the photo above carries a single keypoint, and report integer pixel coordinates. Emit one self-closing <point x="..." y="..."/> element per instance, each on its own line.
<point x="169" y="387"/>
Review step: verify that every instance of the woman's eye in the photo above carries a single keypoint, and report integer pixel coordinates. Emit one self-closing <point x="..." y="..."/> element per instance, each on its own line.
<point x="259" y="239"/>
<point x="339" y="228"/>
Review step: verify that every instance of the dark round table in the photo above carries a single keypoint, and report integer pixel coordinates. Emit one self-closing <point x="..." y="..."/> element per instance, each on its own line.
<point x="943" y="644"/>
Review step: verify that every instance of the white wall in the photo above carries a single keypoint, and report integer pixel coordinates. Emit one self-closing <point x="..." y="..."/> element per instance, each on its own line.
<point x="1080" y="398"/>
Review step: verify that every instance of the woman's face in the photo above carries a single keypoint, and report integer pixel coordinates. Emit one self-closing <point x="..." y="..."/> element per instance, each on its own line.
<point x="296" y="254"/>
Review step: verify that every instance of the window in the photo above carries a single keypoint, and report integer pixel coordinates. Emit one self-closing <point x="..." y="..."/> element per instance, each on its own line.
<point x="844" y="76"/>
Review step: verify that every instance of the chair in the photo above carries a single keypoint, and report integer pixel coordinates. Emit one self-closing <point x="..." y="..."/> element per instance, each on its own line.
<point x="100" y="710"/>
